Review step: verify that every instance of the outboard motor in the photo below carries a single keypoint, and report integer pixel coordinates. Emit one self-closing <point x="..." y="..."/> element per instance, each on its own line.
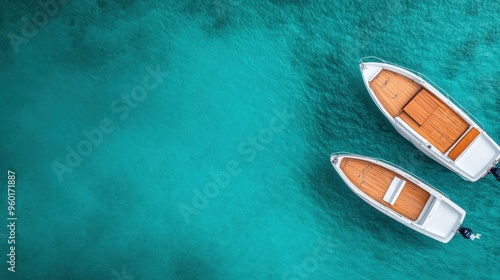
<point x="465" y="232"/>
<point x="468" y="234"/>
<point x="496" y="172"/>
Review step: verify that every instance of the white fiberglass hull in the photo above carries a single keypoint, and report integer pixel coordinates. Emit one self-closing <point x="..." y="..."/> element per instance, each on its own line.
<point x="440" y="219"/>
<point x="473" y="164"/>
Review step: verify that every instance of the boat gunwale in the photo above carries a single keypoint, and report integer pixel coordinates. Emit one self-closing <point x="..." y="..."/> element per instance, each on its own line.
<point x="432" y="152"/>
<point x="415" y="225"/>
<point x="394" y="168"/>
<point x="398" y="170"/>
<point x="433" y="85"/>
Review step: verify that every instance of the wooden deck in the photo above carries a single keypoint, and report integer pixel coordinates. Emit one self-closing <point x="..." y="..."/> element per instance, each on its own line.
<point x="420" y="109"/>
<point x="374" y="180"/>
<point x="394" y="91"/>
<point x="463" y="144"/>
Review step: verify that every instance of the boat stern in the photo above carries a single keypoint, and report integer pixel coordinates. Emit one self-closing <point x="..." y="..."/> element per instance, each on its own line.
<point x="477" y="160"/>
<point x="444" y="220"/>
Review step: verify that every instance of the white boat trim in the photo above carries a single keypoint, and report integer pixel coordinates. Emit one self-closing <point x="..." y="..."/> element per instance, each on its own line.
<point x="467" y="165"/>
<point x="440" y="219"/>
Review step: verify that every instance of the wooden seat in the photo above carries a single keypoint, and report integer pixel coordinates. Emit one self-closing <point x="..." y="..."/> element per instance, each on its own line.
<point x="395" y="188"/>
<point x="442" y="128"/>
<point x="421" y="107"/>
<point x="424" y="112"/>
<point x="463" y="144"/>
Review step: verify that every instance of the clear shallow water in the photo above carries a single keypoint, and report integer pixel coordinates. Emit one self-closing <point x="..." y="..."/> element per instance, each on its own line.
<point x="264" y="90"/>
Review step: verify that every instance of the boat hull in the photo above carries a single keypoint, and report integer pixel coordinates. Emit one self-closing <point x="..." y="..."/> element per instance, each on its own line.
<point x="430" y="222"/>
<point x="467" y="166"/>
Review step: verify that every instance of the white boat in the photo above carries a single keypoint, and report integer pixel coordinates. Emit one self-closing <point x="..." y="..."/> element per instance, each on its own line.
<point x="402" y="196"/>
<point x="430" y="120"/>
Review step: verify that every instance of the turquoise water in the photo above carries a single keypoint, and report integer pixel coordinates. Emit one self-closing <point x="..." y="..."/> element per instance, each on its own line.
<point x="252" y="95"/>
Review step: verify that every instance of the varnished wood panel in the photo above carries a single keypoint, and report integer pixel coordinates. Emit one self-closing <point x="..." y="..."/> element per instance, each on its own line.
<point x="442" y="128"/>
<point x="374" y="180"/>
<point x="463" y="144"/>
<point x="421" y="107"/>
<point x="393" y="90"/>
